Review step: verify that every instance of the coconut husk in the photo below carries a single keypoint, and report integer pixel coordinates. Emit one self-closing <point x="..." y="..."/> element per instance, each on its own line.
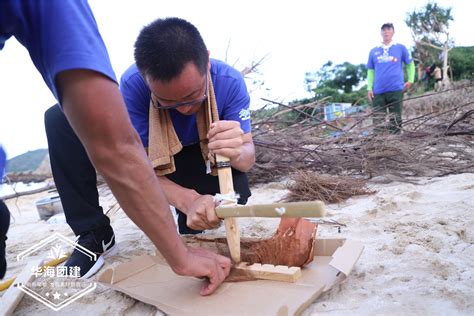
<point x="291" y="245"/>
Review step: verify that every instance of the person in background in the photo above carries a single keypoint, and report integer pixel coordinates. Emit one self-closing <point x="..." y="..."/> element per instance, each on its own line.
<point x="4" y="217"/>
<point x="438" y="77"/>
<point x="71" y="56"/>
<point x="386" y="84"/>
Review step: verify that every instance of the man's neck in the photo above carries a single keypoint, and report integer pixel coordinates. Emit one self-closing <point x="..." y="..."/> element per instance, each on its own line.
<point x="387" y="43"/>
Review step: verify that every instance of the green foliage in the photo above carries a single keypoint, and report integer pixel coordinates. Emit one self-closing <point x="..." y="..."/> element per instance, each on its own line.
<point x="28" y="161"/>
<point x="430" y="22"/>
<point x="430" y="31"/>
<point x="337" y="82"/>
<point x="461" y="60"/>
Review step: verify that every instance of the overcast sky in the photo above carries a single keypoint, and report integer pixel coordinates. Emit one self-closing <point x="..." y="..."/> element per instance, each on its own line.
<point x="298" y="36"/>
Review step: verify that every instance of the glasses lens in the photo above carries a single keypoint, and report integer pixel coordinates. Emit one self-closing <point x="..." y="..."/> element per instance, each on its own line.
<point x="199" y="101"/>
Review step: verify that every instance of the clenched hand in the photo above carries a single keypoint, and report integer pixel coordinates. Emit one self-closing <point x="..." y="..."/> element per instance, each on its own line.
<point x="201" y="214"/>
<point x="226" y="138"/>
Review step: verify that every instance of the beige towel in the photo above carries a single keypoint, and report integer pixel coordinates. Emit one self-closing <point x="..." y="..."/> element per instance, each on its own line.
<point x="163" y="143"/>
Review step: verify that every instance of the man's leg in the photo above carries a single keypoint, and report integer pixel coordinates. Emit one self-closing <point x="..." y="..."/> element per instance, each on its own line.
<point x="74" y="175"/>
<point x="395" y="102"/>
<point x="379" y="113"/>
<point x="4" y="224"/>
<point x="76" y="181"/>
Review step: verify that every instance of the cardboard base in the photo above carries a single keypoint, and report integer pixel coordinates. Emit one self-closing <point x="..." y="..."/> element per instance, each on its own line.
<point x="148" y="279"/>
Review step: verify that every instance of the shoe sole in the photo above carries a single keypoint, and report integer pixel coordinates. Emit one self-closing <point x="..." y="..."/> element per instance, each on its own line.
<point x="100" y="262"/>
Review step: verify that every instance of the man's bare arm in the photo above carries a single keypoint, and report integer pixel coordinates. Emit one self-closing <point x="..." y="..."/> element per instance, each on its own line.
<point x="96" y="111"/>
<point x="199" y="209"/>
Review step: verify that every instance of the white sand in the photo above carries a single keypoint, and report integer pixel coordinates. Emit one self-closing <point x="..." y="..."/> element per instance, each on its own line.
<point x="418" y="256"/>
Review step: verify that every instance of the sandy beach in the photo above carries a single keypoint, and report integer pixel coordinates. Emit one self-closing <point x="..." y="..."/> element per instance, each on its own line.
<point x="418" y="256"/>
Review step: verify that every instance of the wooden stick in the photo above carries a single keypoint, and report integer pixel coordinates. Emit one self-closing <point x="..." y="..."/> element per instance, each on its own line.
<point x="291" y="209"/>
<point x="270" y="272"/>
<point x="13" y="295"/>
<point x="226" y="186"/>
<point x="6" y="284"/>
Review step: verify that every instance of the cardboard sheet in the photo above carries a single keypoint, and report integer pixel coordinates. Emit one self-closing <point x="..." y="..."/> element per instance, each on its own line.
<point x="149" y="279"/>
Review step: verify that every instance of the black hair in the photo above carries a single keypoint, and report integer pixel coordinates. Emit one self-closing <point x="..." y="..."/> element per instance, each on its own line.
<point x="387" y="25"/>
<point x="164" y="47"/>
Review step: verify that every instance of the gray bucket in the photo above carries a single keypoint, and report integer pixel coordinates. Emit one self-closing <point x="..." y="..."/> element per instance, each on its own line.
<point x="49" y="206"/>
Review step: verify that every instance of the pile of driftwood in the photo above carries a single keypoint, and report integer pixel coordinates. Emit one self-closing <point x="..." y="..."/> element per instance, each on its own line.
<point x="436" y="139"/>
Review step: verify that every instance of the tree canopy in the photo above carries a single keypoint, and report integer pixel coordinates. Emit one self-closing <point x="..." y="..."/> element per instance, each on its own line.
<point x="461" y="61"/>
<point x="430" y="31"/>
<point x="340" y="82"/>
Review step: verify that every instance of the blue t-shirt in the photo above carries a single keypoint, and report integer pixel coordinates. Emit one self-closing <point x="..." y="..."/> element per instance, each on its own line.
<point x="58" y="34"/>
<point x="388" y="67"/>
<point x="3" y="160"/>
<point x="232" y="99"/>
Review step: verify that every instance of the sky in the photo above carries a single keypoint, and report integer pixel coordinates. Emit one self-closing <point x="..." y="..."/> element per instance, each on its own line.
<point x="295" y="36"/>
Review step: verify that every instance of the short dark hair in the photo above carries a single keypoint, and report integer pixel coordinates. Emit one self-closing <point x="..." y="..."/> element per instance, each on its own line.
<point x="165" y="46"/>
<point x="387" y="25"/>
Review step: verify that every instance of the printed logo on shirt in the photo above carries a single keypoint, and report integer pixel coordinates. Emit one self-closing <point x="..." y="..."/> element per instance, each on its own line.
<point x="244" y="114"/>
<point x="386" y="59"/>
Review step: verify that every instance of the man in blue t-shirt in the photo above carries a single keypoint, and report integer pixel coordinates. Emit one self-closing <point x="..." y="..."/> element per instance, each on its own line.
<point x="65" y="45"/>
<point x="180" y="86"/>
<point x="386" y="80"/>
<point x="173" y="74"/>
<point x="4" y="217"/>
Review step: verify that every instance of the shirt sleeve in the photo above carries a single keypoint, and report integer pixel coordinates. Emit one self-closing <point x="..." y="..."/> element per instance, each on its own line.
<point x="370" y="62"/>
<point x="237" y="104"/>
<point x="406" y="56"/>
<point x="370" y="79"/>
<point x="59" y="36"/>
<point x="411" y="72"/>
<point x="136" y="95"/>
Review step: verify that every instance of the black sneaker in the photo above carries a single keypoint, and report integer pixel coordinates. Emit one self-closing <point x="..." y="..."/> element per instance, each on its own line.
<point x="4" y="224"/>
<point x="101" y="242"/>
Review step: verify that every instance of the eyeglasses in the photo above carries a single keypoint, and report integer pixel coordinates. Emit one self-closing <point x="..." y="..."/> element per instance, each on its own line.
<point x="160" y="106"/>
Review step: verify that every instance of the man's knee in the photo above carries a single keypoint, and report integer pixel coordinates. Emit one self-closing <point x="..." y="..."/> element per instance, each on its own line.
<point x="52" y="115"/>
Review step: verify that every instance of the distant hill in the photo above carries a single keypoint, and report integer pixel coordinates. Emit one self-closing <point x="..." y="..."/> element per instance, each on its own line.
<point x="27" y="162"/>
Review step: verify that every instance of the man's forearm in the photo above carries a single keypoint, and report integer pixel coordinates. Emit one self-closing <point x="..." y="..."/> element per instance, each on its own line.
<point x="178" y="196"/>
<point x="411" y="72"/>
<point x="246" y="159"/>
<point x="94" y="107"/>
<point x="370" y="79"/>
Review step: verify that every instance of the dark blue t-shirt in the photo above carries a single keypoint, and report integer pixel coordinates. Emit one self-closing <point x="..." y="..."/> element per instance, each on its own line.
<point x="387" y="62"/>
<point x="58" y="34"/>
<point x="232" y="99"/>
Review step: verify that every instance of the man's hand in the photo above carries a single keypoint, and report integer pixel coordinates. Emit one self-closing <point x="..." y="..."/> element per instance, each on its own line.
<point x="370" y="95"/>
<point x="203" y="263"/>
<point x="407" y="86"/>
<point x="226" y="138"/>
<point x="201" y="213"/>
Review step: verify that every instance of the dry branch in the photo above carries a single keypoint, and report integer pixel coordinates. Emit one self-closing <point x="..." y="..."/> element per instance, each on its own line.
<point x="436" y="140"/>
<point x="310" y="186"/>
